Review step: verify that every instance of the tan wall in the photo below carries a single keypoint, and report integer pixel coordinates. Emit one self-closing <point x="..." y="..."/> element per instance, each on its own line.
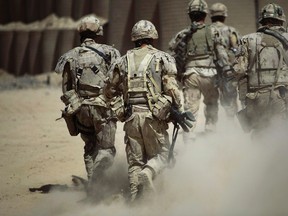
<point x="37" y="52"/>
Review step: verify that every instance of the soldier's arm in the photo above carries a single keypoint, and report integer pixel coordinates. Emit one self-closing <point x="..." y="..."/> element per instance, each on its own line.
<point x="221" y="56"/>
<point x="240" y="64"/>
<point x="66" y="79"/>
<point x="171" y="88"/>
<point x="114" y="83"/>
<point x="64" y="66"/>
<point x="170" y="84"/>
<point x="115" y="54"/>
<point x="234" y="38"/>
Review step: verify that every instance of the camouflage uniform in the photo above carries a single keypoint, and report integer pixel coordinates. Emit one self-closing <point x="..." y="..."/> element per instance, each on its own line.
<point x="263" y="61"/>
<point x="198" y="74"/>
<point x="84" y="70"/>
<point x="144" y="76"/>
<point x="231" y="39"/>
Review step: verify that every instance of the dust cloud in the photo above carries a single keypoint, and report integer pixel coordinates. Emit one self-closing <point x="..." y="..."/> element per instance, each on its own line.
<point x="225" y="173"/>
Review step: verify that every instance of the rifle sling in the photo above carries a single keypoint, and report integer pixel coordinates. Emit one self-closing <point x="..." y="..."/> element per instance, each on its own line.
<point x="106" y="59"/>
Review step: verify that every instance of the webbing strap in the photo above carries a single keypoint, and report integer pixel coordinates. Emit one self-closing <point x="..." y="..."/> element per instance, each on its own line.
<point x="281" y="52"/>
<point x="142" y="70"/>
<point x="130" y="65"/>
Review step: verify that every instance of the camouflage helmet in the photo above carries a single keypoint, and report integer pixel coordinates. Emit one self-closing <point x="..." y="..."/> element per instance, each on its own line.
<point x="90" y="23"/>
<point x="143" y="29"/>
<point x="272" y="10"/>
<point x="218" y="9"/>
<point x="197" y="5"/>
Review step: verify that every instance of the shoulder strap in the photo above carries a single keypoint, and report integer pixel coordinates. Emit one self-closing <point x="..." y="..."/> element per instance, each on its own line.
<point x="106" y="59"/>
<point x="279" y="37"/>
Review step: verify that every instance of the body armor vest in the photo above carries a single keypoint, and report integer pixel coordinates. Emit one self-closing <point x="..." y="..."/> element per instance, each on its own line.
<point x="267" y="66"/>
<point x="143" y="79"/>
<point x="200" y="48"/>
<point x="90" y="73"/>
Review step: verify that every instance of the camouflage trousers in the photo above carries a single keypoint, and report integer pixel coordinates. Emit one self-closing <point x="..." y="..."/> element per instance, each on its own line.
<point x="228" y="97"/>
<point x="99" y="138"/>
<point x="147" y="145"/>
<point x="242" y="90"/>
<point x="264" y="107"/>
<point x="195" y="86"/>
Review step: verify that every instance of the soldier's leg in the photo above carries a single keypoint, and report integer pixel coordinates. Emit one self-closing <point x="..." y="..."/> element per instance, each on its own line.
<point x="134" y="153"/>
<point x="156" y="142"/>
<point x="211" y="96"/>
<point x="85" y="126"/>
<point x="90" y="152"/>
<point x="242" y="91"/>
<point x="192" y="99"/>
<point x="105" y="141"/>
<point x="192" y="94"/>
<point x="228" y="98"/>
<point x="103" y="157"/>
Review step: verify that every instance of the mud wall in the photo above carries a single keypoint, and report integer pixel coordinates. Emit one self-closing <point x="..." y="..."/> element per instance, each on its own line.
<point x="33" y="33"/>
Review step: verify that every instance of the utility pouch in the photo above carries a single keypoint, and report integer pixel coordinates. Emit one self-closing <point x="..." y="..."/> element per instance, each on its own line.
<point x="161" y="109"/>
<point x="117" y="106"/>
<point x="72" y="102"/>
<point x="71" y="123"/>
<point x="244" y="120"/>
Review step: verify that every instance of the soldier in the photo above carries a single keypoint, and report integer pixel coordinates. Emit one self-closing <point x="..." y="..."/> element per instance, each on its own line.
<point x="263" y="60"/>
<point x="195" y="50"/>
<point x="84" y="69"/>
<point x="231" y="38"/>
<point x="145" y="77"/>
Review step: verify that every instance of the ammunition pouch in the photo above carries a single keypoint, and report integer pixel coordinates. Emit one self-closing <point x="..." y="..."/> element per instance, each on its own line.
<point x="71" y="123"/>
<point x="244" y="120"/>
<point x="72" y="101"/>
<point x="117" y="106"/>
<point x="161" y="109"/>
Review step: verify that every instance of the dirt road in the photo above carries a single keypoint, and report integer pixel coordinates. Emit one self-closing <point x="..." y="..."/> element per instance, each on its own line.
<point x="216" y="175"/>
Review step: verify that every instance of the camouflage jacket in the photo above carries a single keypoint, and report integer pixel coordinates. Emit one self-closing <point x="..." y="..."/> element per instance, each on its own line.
<point x="262" y="58"/>
<point x="160" y="71"/>
<point x="231" y="38"/>
<point x="211" y="41"/>
<point x="73" y="63"/>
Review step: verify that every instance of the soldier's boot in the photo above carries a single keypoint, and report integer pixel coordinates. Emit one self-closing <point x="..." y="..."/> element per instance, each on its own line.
<point x="146" y="180"/>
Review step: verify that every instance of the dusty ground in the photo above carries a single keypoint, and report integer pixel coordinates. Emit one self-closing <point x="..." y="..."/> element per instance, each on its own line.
<point x="224" y="174"/>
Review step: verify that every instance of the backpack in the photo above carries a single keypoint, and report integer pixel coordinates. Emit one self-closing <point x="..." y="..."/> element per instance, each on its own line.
<point x="269" y="66"/>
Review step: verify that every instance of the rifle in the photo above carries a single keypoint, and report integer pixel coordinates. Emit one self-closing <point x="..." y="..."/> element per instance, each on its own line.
<point x="183" y="119"/>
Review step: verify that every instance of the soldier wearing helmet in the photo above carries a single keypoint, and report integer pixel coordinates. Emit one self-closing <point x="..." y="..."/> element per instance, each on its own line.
<point x="84" y="69"/>
<point x="231" y="39"/>
<point x="195" y="50"/>
<point x="263" y="62"/>
<point x="145" y="78"/>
